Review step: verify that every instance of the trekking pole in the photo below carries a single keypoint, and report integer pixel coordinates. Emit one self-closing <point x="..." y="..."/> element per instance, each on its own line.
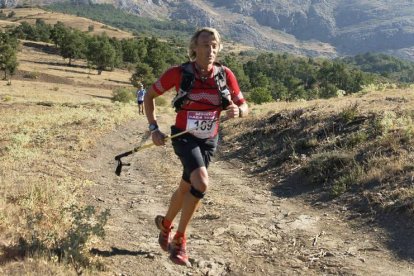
<point x="141" y="147"/>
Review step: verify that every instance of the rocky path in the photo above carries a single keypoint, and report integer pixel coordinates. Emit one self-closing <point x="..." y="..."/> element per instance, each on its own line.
<point x="241" y="228"/>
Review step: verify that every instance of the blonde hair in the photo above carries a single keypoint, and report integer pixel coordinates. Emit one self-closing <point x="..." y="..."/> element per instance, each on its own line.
<point x="193" y="41"/>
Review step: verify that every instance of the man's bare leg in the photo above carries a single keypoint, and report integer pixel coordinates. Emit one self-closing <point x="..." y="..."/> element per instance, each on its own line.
<point x="177" y="200"/>
<point x="199" y="180"/>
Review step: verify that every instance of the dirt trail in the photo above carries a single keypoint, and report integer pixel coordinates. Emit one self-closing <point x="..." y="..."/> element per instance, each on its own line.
<point x="240" y="229"/>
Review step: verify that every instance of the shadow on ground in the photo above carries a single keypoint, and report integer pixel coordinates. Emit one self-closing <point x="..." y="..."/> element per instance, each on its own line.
<point x="117" y="251"/>
<point x="100" y="96"/>
<point x="400" y="234"/>
<point x="72" y="71"/>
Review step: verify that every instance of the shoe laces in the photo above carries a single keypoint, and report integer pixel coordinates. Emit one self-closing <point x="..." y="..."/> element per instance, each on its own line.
<point x="180" y="245"/>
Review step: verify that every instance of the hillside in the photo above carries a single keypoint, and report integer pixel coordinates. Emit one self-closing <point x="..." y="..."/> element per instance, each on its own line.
<point x="83" y="24"/>
<point x="349" y="27"/>
<point x="277" y="204"/>
<point x="318" y="187"/>
<point x="313" y="28"/>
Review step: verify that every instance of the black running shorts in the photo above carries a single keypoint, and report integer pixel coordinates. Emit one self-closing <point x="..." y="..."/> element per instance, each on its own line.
<point x="192" y="151"/>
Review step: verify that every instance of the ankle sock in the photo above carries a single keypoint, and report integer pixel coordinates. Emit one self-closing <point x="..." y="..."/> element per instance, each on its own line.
<point x="179" y="235"/>
<point x="166" y="223"/>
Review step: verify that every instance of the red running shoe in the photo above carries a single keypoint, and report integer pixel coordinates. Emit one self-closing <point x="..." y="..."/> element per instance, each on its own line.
<point x="164" y="238"/>
<point x="178" y="252"/>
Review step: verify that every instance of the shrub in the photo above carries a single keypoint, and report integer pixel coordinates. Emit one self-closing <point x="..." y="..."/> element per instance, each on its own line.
<point x="6" y="98"/>
<point x="328" y="91"/>
<point x="123" y="95"/>
<point x="260" y="95"/>
<point x="336" y="171"/>
<point x="340" y="185"/>
<point x="349" y="113"/>
<point x="85" y="223"/>
<point x="31" y="75"/>
<point x="161" y="101"/>
<point x="356" y="138"/>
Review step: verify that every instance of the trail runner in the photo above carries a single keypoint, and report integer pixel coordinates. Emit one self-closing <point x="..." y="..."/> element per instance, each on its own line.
<point x="212" y="88"/>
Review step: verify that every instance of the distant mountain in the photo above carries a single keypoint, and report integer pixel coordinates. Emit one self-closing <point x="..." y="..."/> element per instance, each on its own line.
<point x="310" y="27"/>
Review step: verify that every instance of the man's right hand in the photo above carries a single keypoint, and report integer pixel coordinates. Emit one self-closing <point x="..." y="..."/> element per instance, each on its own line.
<point x="158" y="138"/>
<point x="232" y="111"/>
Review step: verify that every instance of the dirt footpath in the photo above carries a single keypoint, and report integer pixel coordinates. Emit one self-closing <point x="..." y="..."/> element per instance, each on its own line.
<point x="241" y="228"/>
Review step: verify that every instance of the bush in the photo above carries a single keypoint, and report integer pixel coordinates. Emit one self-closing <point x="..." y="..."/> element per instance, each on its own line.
<point x="329" y="91"/>
<point x="123" y="95"/>
<point x="335" y="171"/>
<point x="6" y="98"/>
<point x="349" y="113"/>
<point x="69" y="246"/>
<point x="161" y="101"/>
<point x="260" y="95"/>
<point x="31" y="75"/>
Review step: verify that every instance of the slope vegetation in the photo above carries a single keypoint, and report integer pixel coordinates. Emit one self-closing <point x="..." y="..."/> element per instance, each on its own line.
<point x="318" y="187"/>
<point x="281" y="199"/>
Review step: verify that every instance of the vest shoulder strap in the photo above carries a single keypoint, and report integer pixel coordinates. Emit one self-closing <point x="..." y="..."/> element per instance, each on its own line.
<point x="188" y="79"/>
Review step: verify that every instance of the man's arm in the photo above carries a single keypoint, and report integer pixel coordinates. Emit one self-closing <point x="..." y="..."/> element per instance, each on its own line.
<point x="157" y="136"/>
<point x="243" y="110"/>
<point x="149" y="105"/>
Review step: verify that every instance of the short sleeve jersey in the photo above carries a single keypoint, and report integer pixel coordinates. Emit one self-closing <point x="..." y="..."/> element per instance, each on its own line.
<point x="140" y="94"/>
<point x="204" y="100"/>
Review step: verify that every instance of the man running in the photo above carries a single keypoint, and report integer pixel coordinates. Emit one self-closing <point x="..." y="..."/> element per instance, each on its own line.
<point x="204" y="88"/>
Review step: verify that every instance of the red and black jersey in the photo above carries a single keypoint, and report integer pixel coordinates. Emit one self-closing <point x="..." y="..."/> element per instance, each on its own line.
<point x="204" y="99"/>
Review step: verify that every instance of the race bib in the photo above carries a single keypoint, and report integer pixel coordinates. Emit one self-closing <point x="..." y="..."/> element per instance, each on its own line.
<point x="202" y="123"/>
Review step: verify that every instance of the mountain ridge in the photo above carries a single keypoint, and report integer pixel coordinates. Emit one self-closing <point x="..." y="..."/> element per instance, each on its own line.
<point x="305" y="27"/>
<point x="340" y="27"/>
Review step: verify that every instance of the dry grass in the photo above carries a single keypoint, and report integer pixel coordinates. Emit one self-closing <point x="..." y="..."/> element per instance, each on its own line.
<point x="50" y="121"/>
<point x="31" y="14"/>
<point x="4" y="24"/>
<point x="356" y="148"/>
<point x="46" y="127"/>
<point x="34" y="60"/>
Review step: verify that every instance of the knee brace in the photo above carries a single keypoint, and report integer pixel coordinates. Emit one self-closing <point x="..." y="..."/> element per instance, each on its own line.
<point x="196" y="193"/>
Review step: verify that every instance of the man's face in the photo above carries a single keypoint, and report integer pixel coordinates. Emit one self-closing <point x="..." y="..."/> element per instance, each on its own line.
<point x="206" y="49"/>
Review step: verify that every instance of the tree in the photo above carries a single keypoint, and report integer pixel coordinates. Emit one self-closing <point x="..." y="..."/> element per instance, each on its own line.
<point x="101" y="53"/>
<point x="11" y="14"/>
<point x="260" y="95"/>
<point x="58" y="32"/>
<point x="43" y="30"/>
<point x="26" y="31"/>
<point x="279" y="91"/>
<point x="328" y="91"/>
<point x="237" y="68"/>
<point x="160" y="55"/>
<point x="143" y="74"/>
<point x="8" y="58"/>
<point x="72" y="45"/>
<point x="133" y="50"/>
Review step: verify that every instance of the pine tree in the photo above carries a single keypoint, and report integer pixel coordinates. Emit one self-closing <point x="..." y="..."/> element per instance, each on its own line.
<point x="8" y="57"/>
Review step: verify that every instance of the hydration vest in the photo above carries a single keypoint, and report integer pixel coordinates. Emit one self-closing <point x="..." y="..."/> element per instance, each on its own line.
<point x="187" y="83"/>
